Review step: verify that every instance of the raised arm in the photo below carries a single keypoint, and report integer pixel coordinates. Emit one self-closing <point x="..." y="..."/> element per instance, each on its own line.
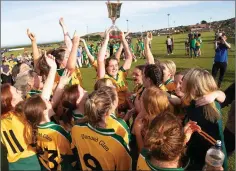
<point x="147" y="50"/>
<point x="34" y="48"/>
<point x="128" y="54"/>
<point x="118" y="53"/>
<point x="226" y="43"/>
<point x="67" y="38"/>
<point x="90" y="56"/>
<point x="71" y="63"/>
<point x="48" y="85"/>
<point x="101" y="56"/>
<point x="57" y="95"/>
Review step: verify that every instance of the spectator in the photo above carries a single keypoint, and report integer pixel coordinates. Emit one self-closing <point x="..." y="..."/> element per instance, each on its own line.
<point x="6" y="74"/>
<point x="193" y="46"/>
<point x="221" y="58"/>
<point x="169" y="45"/>
<point x="172" y="40"/>
<point x="187" y="47"/>
<point x="229" y="132"/>
<point x="198" y="45"/>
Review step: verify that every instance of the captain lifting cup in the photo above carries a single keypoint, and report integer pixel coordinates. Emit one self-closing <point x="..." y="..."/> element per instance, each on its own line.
<point x="114" y="13"/>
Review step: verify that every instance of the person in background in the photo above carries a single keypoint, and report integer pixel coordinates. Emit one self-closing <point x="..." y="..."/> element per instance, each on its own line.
<point x="172" y="46"/>
<point x="169" y="45"/>
<point x="187" y="44"/>
<point x="193" y="46"/>
<point x="229" y="132"/>
<point x="79" y="56"/>
<point x="198" y="45"/>
<point x="221" y="58"/>
<point x="141" y="48"/>
<point x="6" y="76"/>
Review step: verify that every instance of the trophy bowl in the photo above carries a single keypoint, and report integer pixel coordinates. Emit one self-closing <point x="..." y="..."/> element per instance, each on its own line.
<point x="114" y="13"/>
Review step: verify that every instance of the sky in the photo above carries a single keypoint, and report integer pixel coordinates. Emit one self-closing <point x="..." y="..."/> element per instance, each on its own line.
<point x="42" y="17"/>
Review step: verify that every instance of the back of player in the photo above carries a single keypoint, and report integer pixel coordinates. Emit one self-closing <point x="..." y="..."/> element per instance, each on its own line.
<point x="55" y="145"/>
<point x="21" y="156"/>
<point x="100" y="148"/>
<point x="52" y="142"/>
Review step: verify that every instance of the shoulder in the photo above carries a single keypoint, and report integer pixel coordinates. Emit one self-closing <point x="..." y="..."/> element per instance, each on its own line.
<point x="121" y="122"/>
<point x="57" y="128"/>
<point x="122" y="144"/>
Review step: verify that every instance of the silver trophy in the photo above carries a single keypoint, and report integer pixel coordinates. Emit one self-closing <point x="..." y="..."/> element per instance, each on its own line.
<point x="114" y="13"/>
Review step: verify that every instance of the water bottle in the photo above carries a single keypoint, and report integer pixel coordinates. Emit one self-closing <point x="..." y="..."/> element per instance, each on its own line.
<point x="214" y="157"/>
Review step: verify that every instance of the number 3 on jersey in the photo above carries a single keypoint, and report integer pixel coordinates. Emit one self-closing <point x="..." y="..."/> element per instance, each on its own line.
<point x="96" y="165"/>
<point x="49" y="159"/>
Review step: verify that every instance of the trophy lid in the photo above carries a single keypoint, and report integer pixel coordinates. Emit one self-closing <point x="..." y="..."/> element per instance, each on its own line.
<point x="114" y="9"/>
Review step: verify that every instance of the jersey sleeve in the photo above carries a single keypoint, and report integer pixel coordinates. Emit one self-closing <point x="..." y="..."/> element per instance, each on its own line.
<point x="95" y="64"/>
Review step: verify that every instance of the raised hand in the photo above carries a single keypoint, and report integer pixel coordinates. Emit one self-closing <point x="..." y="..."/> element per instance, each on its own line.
<point x="50" y="61"/>
<point x="31" y="35"/>
<point x="61" y="21"/>
<point x="76" y="38"/>
<point x="82" y="40"/>
<point x="148" y="38"/>
<point x="126" y="34"/>
<point x="107" y="33"/>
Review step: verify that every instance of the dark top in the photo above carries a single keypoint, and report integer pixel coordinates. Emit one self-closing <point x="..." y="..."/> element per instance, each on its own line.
<point x="198" y="146"/>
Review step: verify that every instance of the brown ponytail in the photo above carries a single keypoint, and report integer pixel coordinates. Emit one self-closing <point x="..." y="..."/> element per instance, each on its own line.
<point x="165" y="137"/>
<point x="33" y="110"/>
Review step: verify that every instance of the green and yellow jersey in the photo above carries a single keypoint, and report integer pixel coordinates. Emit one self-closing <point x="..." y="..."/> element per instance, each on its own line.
<point x="20" y="155"/>
<point x="163" y="87"/>
<point x="145" y="164"/>
<point x="100" y="149"/>
<point x="119" y="126"/>
<point x="121" y="84"/>
<point x="98" y="49"/>
<point x="76" y="77"/>
<point x="141" y="45"/>
<point x="84" y="54"/>
<point x="56" y="147"/>
<point x="33" y="92"/>
<point x="131" y="47"/>
<point x="170" y="85"/>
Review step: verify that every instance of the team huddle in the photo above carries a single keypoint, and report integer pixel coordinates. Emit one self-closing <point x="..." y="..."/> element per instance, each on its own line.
<point x="50" y="122"/>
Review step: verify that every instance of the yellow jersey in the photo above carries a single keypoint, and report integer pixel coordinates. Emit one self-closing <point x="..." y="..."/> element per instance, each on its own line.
<point x="95" y="64"/>
<point x="76" y="77"/>
<point x="119" y="126"/>
<point x="100" y="149"/>
<point x="13" y="131"/>
<point x="56" y="146"/>
<point x="121" y="84"/>
<point x="145" y="164"/>
<point x="163" y="87"/>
